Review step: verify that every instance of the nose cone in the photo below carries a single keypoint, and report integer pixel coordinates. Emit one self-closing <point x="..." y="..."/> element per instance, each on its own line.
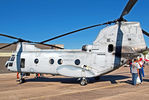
<point x="6" y="65"/>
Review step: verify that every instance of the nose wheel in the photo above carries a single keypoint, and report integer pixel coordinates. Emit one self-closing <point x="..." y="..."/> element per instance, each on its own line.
<point x="21" y="80"/>
<point x="83" y="82"/>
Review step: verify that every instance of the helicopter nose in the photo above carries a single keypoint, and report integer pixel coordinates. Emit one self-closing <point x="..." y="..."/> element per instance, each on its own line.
<point x="6" y="65"/>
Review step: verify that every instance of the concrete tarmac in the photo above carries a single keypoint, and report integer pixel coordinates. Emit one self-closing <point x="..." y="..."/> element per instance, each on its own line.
<point x="113" y="86"/>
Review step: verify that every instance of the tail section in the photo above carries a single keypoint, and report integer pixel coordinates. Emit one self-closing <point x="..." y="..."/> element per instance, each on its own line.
<point x="131" y="32"/>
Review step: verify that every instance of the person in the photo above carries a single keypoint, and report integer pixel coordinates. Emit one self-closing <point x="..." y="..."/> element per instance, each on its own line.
<point x="135" y="67"/>
<point x="141" y="70"/>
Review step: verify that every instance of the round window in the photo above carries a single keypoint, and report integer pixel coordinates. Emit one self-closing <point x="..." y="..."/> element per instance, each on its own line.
<point x="36" y="61"/>
<point x="51" y="61"/>
<point x="77" y="61"/>
<point x="60" y="61"/>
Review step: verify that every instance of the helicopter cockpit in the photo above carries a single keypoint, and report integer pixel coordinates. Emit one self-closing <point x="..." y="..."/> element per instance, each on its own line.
<point x="9" y="63"/>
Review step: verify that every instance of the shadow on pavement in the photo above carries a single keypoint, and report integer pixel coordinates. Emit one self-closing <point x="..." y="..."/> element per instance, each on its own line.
<point x="147" y="80"/>
<point x="111" y="78"/>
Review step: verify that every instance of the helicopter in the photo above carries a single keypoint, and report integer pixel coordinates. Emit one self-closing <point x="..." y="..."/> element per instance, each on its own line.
<point x="114" y="46"/>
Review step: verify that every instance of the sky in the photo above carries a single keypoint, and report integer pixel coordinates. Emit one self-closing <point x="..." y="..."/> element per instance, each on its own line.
<point x="38" y="20"/>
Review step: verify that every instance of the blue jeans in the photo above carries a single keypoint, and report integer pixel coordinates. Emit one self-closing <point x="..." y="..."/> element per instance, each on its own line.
<point x="134" y="78"/>
<point x="140" y="74"/>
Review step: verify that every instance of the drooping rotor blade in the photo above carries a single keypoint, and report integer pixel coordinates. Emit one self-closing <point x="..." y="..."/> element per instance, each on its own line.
<point x="128" y="7"/>
<point x="42" y="44"/>
<point x="22" y="40"/>
<point x="8" y="45"/>
<point x="9" y="36"/>
<point x="110" y="22"/>
<point x="144" y="32"/>
<point x="51" y="46"/>
<point x="12" y="37"/>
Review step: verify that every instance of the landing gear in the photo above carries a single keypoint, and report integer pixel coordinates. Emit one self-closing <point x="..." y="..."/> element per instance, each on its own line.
<point x="21" y="80"/>
<point x="83" y="81"/>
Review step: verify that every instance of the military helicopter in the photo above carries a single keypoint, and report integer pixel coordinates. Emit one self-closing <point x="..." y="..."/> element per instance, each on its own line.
<point x="113" y="47"/>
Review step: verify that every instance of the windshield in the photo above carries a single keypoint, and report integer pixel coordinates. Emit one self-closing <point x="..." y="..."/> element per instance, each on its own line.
<point x="12" y="58"/>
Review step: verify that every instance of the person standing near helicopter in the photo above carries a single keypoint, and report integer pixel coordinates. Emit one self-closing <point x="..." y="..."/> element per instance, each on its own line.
<point x="134" y="70"/>
<point x="141" y="70"/>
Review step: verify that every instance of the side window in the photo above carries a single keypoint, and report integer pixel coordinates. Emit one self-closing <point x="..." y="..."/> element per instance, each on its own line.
<point x="22" y="63"/>
<point x="77" y="61"/>
<point x="110" y="48"/>
<point x="10" y="64"/>
<point x="60" y="61"/>
<point x="51" y="61"/>
<point x="36" y="61"/>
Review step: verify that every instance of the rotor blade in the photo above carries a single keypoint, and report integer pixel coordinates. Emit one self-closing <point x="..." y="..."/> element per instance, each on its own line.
<point x="128" y="7"/>
<point x="77" y="31"/>
<point x="144" y="32"/>
<point x="9" y="36"/>
<point x="8" y="45"/>
<point x="51" y="45"/>
<point x="22" y="40"/>
<point x="19" y="39"/>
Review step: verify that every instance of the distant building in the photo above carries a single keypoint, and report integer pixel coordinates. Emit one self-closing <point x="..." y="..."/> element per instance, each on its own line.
<point x="7" y="52"/>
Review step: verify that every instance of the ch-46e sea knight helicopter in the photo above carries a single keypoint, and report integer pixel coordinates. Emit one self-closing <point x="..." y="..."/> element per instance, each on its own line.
<point x="112" y="48"/>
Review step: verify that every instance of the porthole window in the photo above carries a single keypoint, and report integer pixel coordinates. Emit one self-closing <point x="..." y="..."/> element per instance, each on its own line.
<point x="110" y="48"/>
<point x="60" y="61"/>
<point x="36" y="61"/>
<point x="51" y="61"/>
<point x="77" y="61"/>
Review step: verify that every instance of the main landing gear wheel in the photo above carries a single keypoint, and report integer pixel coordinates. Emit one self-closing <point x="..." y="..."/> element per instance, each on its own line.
<point x="20" y="81"/>
<point x="83" y="82"/>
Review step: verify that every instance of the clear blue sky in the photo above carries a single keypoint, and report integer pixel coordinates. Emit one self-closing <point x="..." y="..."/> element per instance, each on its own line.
<point x="39" y="20"/>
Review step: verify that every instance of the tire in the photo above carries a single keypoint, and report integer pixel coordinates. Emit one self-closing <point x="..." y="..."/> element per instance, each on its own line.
<point x="83" y="82"/>
<point x="22" y="80"/>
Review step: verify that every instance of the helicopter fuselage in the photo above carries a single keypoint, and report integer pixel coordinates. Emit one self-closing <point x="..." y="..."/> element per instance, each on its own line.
<point x="111" y="49"/>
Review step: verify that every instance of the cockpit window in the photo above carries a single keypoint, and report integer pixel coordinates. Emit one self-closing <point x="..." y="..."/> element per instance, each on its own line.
<point x="10" y="64"/>
<point x="12" y="58"/>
